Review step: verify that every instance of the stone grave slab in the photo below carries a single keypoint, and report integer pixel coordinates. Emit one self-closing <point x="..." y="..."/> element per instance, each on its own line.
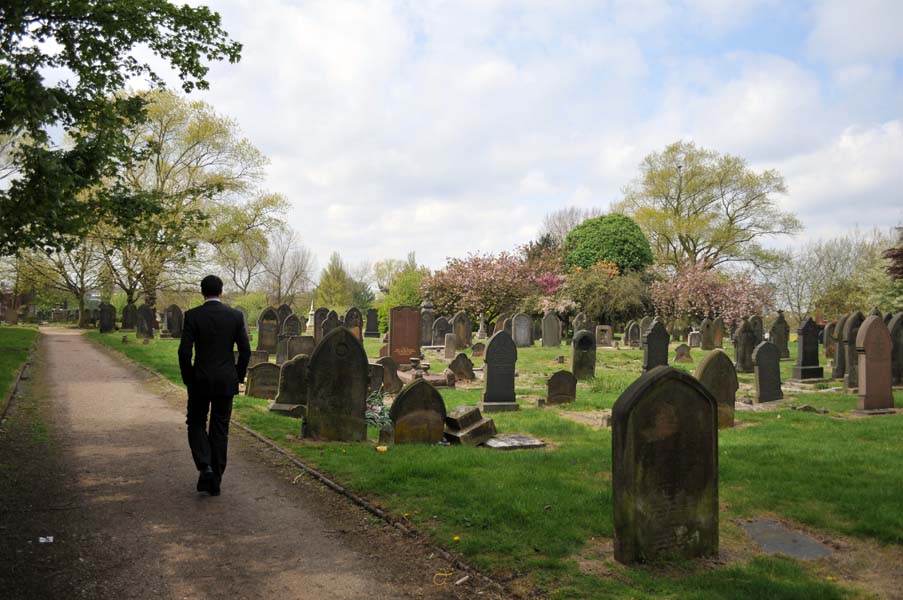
<point x="514" y="441"/>
<point x="466" y="425"/>
<point x="773" y="537"/>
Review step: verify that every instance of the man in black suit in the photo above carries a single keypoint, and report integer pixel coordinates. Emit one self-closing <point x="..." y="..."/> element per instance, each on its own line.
<point x="212" y="329"/>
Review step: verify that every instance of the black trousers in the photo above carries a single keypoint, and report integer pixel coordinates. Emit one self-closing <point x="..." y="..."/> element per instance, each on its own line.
<point x="208" y="447"/>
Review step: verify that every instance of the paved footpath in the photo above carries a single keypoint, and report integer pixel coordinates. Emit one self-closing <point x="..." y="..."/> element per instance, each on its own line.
<point x="116" y="490"/>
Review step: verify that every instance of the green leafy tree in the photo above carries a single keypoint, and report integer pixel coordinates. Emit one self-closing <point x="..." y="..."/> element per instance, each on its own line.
<point x="334" y="290"/>
<point x="43" y="200"/>
<point x="403" y="291"/>
<point x="610" y="238"/>
<point x="603" y="295"/>
<point x="699" y="207"/>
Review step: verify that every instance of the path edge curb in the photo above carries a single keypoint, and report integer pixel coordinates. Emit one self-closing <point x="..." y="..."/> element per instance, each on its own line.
<point x="18" y="378"/>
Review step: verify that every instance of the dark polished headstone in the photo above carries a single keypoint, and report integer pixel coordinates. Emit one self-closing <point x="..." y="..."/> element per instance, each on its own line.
<point x="807" y="362"/>
<point x="561" y="388"/>
<point x="655" y="346"/>
<point x="717" y="373"/>
<point x="767" y="369"/>
<point x="499" y="371"/>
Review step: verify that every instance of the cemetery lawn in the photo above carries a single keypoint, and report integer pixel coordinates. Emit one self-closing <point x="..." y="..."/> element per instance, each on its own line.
<point x="14" y="345"/>
<point x="541" y="520"/>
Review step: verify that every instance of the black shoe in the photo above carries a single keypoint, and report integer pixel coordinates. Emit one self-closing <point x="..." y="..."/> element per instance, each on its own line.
<point x="214" y="486"/>
<point x="206" y="481"/>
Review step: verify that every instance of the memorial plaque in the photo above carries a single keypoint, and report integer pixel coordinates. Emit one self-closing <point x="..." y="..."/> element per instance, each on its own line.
<point x="561" y="388"/>
<point x="404" y="334"/>
<point x="717" y="373"/>
<point x="463" y="330"/>
<point x="767" y="373"/>
<point x="665" y="469"/>
<point x="522" y="330"/>
<point x="338" y="377"/>
<point x="268" y="330"/>
<point x="874" y="348"/>
<point x="418" y="414"/>
<point x="499" y="371"/>
<point x="583" y="357"/>
<point x="263" y="381"/>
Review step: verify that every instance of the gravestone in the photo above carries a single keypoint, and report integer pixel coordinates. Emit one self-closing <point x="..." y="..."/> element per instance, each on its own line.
<point x="551" y="331"/>
<point x="665" y="469"/>
<point x="263" y="381"/>
<point x="463" y="330"/>
<point x="462" y="367"/>
<point x="682" y="354"/>
<point x="633" y="334"/>
<point x="257" y="357"/>
<point x="283" y="311"/>
<point x="338" y="377"/>
<point x="694" y="339"/>
<point x="767" y="368"/>
<point x="107" y="321"/>
<point x="828" y="339"/>
<point x="561" y="388"/>
<point x="645" y="324"/>
<point x="481" y="332"/>
<point x="583" y="357"/>
<point x="354" y="321"/>
<point x="129" y="317"/>
<point x="147" y="319"/>
<point x="873" y="347"/>
<point x="441" y="328"/>
<point x="478" y="349"/>
<point x="330" y="323"/>
<point x="580" y="322"/>
<point x="291" y="393"/>
<point x="372" y="329"/>
<point x="780" y="335"/>
<point x="451" y="346"/>
<point x="605" y="336"/>
<point x="391" y="382"/>
<point x="655" y="346"/>
<point x="418" y="414"/>
<point x="807" y="366"/>
<point x="506" y="326"/>
<point x="850" y="331"/>
<point x="875" y="312"/>
<point x="888" y="317"/>
<point x="895" y="328"/>
<point x="375" y="377"/>
<point x="268" y="330"/>
<point x="744" y="344"/>
<point x="291" y="325"/>
<point x="522" y="330"/>
<point x="319" y="317"/>
<point x="717" y="373"/>
<point x="840" y="356"/>
<point x="404" y="334"/>
<point x="707" y="334"/>
<point x="499" y="371"/>
<point x="174" y="320"/>
<point x="465" y="425"/>
<point x="758" y="327"/>
<point x="718" y="332"/>
<point x="536" y="332"/>
<point x="427" y="316"/>
<point x="290" y="346"/>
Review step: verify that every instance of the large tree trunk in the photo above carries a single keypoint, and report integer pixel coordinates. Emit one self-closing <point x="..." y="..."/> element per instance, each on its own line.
<point x="82" y="314"/>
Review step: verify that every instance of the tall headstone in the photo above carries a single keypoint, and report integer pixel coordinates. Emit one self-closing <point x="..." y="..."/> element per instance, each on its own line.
<point x="850" y="331"/>
<point x="655" y="346"/>
<point x="828" y="337"/>
<point x="583" y="358"/>
<point x="561" y="388"/>
<point x="744" y="344"/>
<point x="338" y="377"/>
<point x="633" y="334"/>
<point x="499" y="371"/>
<point x="522" y="330"/>
<point x="767" y="368"/>
<point x="391" y="382"/>
<point x="372" y="329"/>
<point x="147" y="319"/>
<point x="874" y="350"/>
<point x="291" y="325"/>
<point x="427" y="316"/>
<point x="418" y="414"/>
<point x="645" y="325"/>
<point x="551" y="331"/>
<point x="291" y="393"/>
<point x="807" y="366"/>
<point x="605" y="336"/>
<point x="404" y="333"/>
<point x="780" y="335"/>
<point x="895" y="328"/>
<point x="665" y="468"/>
<point x="758" y="327"/>
<point x="283" y="311"/>
<point x="481" y="332"/>
<point x="463" y="330"/>
<point x="580" y="322"/>
<point x="330" y="323"/>
<point x="107" y="320"/>
<point x="354" y="321"/>
<point x="320" y="316"/>
<point x="707" y="333"/>
<point x="694" y="339"/>
<point x="129" y="317"/>
<point x="174" y="320"/>
<point x="840" y="356"/>
<point x="268" y="330"/>
<point x="717" y="373"/>
<point x="718" y="332"/>
<point x="441" y="328"/>
<point x="263" y="381"/>
<point x="451" y="346"/>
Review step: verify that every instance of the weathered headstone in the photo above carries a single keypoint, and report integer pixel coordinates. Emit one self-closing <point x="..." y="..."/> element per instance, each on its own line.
<point x="873" y="346"/>
<point x="268" y="330"/>
<point x="807" y="366"/>
<point x="291" y="394"/>
<point x="257" y="357"/>
<point x="319" y="317"/>
<point x="840" y="356"/>
<point x="451" y="346"/>
<point x="291" y="325"/>
<point x="391" y="382"/>
<point x="551" y="331"/>
<point x="427" y="316"/>
<point x="330" y="323"/>
<point x="290" y="346"/>
<point x="174" y="320"/>
<point x="283" y="311"/>
<point x="522" y="330"/>
<point x="354" y="321"/>
<point x="895" y="328"/>
<point x="499" y="370"/>
<point x="850" y="331"/>
<point x="744" y="344"/>
<point x="717" y="373"/>
<point x="463" y="330"/>
<point x="665" y="468"/>
<point x="645" y="325"/>
<point x="507" y="326"/>
<point x="605" y="336"/>
<point x="147" y="319"/>
<point x="465" y="425"/>
<point x="718" y="332"/>
<point x="694" y="339"/>
<point x="888" y="317"/>
<point x="780" y="335"/>
<point x="707" y="334"/>
<point x="404" y="333"/>
<point x="462" y="367"/>
<point x="441" y="328"/>
<point x="107" y="321"/>
<point x="478" y="349"/>
<point x="583" y="358"/>
<point x="758" y="328"/>
<point x="828" y="337"/>
<point x="682" y="354"/>
<point x="263" y="381"/>
<point x="767" y="368"/>
<point x="655" y="346"/>
<point x="633" y="334"/>
<point x="561" y="388"/>
<point x="372" y="329"/>
<point x="129" y="317"/>
<point x="418" y="414"/>
<point x="338" y="377"/>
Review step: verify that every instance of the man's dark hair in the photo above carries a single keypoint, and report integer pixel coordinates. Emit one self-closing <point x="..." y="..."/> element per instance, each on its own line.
<point x="211" y="286"/>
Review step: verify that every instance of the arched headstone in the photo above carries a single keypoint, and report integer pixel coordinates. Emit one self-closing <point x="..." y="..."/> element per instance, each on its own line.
<point x="129" y="317"/>
<point x="319" y="317"/>
<point x="330" y="323"/>
<point x="268" y="330"/>
<point x="499" y="370"/>
<point x="583" y="358"/>
<point x="840" y="355"/>
<point x="283" y="312"/>
<point x="707" y="333"/>
<point x="561" y="388"/>
<point x="291" y="393"/>
<point x="655" y="346"/>
<point x="873" y="347"/>
<point x="463" y="330"/>
<point x="338" y="376"/>
<point x="767" y="368"/>
<point x="354" y="321"/>
<point x="291" y="325"/>
<point x="780" y="335"/>
<point x="418" y="414"/>
<point x="441" y="328"/>
<point x="174" y="320"/>
<point x="522" y="330"/>
<point x="717" y="373"/>
<point x="551" y="331"/>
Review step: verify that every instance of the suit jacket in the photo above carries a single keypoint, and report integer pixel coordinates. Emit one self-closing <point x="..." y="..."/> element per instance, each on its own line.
<point x="212" y="329"/>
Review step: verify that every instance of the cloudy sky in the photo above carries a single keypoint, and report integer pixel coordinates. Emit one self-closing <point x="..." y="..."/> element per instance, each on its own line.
<point x="447" y="127"/>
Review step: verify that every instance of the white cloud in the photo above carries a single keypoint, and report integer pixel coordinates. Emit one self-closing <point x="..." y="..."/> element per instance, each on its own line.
<point x="858" y="31"/>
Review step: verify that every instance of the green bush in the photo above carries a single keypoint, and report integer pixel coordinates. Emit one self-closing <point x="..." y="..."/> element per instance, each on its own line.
<point x="611" y="238"/>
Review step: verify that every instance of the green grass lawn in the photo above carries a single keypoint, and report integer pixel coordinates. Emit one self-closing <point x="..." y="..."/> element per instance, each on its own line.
<point x="14" y="345"/>
<point x="539" y="515"/>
